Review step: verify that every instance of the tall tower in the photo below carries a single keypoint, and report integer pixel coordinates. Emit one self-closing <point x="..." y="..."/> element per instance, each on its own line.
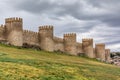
<point x="100" y="51"/>
<point x="14" y="31"/>
<point x="46" y="38"/>
<point x="70" y="43"/>
<point x="107" y="55"/>
<point x="88" y="47"/>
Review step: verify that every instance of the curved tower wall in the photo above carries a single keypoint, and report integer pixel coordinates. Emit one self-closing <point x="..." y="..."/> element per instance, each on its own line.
<point x="46" y="38"/>
<point x="70" y="43"/>
<point x="100" y="51"/>
<point x="107" y="55"/>
<point x="87" y="45"/>
<point x="14" y="31"/>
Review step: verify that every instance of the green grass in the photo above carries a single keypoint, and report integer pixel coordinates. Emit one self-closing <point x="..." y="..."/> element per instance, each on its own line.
<point x="28" y="64"/>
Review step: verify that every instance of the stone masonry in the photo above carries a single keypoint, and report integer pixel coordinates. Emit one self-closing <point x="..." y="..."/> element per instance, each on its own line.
<point x="100" y="51"/>
<point x="12" y="32"/>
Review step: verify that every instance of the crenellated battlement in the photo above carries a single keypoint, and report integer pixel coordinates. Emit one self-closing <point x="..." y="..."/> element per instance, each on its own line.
<point x="70" y="36"/>
<point x="56" y="39"/>
<point x="100" y="44"/>
<point x="14" y="19"/>
<point x="87" y="39"/>
<point x="87" y="42"/>
<point x="46" y="27"/>
<point x="13" y="33"/>
<point x="28" y="31"/>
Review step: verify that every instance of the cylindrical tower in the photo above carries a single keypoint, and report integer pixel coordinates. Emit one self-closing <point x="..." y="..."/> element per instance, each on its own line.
<point x="46" y="38"/>
<point x="70" y="43"/>
<point x="14" y="31"/>
<point x="107" y="55"/>
<point x="100" y="51"/>
<point x="87" y="45"/>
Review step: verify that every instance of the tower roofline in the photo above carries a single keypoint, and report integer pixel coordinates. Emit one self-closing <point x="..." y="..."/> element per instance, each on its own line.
<point x="13" y="19"/>
<point x="46" y="27"/>
<point x="100" y="44"/>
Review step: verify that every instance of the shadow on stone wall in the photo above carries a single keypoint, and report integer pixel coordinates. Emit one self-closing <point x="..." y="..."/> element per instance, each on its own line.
<point x="25" y="45"/>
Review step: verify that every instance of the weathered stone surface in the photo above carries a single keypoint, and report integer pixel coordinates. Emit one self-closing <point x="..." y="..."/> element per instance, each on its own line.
<point x="46" y="38"/>
<point x="88" y="47"/>
<point x="12" y="33"/>
<point x="100" y="51"/>
<point x="107" y="55"/>
<point x="70" y="43"/>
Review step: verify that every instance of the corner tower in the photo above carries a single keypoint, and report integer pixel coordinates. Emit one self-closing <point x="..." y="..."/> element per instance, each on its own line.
<point x="87" y="45"/>
<point x="100" y="51"/>
<point x="70" y="43"/>
<point x="14" y="31"/>
<point x="46" y="38"/>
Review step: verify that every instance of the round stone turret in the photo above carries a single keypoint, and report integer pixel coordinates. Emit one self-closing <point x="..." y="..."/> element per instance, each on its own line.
<point x="87" y="45"/>
<point x="14" y="31"/>
<point x="107" y="55"/>
<point x="70" y="43"/>
<point x="100" y="51"/>
<point x="46" y="38"/>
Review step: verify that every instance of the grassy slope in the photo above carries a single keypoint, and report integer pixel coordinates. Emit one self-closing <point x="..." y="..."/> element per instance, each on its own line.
<point x="28" y="64"/>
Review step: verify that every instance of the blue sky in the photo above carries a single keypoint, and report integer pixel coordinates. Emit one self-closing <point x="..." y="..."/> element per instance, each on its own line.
<point x="98" y="19"/>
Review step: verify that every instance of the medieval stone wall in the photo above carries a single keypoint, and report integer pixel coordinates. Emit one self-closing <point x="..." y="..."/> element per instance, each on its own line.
<point x="79" y="48"/>
<point x="2" y="32"/>
<point x="30" y="37"/>
<point x="94" y="52"/>
<point x="13" y="33"/>
<point x="58" y="44"/>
